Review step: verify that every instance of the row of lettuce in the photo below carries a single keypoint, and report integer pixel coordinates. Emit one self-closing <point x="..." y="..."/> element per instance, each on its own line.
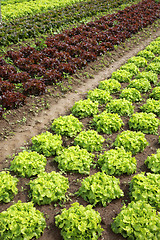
<point x="138" y="220"/>
<point x="67" y="52"/>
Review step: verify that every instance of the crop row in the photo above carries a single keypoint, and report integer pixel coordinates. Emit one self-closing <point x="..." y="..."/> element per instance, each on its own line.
<point x="52" y="21"/>
<point x="68" y="51"/>
<point x="138" y="220"/>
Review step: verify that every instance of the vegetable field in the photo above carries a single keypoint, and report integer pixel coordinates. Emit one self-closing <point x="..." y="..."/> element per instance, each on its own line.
<point x="85" y="167"/>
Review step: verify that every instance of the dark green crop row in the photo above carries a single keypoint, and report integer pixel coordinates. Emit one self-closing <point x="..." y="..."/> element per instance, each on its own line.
<point x="55" y="20"/>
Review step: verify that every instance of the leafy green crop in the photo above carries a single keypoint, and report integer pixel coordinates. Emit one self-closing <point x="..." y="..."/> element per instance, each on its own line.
<point x="155" y="48"/>
<point x="107" y="122"/>
<point x="110" y="85"/>
<point x="21" y="221"/>
<point x="141" y="84"/>
<point x="131" y="94"/>
<point x="8" y="187"/>
<point x="146" y="188"/>
<point x="144" y="122"/>
<point x="154" y="67"/>
<point x="48" y="188"/>
<point x="117" y="162"/>
<point x="85" y="108"/>
<point x="89" y="140"/>
<point x="79" y="223"/>
<point x="47" y="143"/>
<point x="153" y="162"/>
<point x="138" y="61"/>
<point x="100" y="188"/>
<point x="155" y="93"/>
<point x="75" y="159"/>
<point x="156" y="59"/>
<point x="122" y="75"/>
<point x="146" y="54"/>
<point x="151" y="106"/>
<point x="138" y="220"/>
<point x="121" y="106"/>
<point x="27" y="164"/>
<point x="150" y="76"/>
<point x="131" y="141"/>
<point x="99" y="95"/>
<point x="130" y="67"/>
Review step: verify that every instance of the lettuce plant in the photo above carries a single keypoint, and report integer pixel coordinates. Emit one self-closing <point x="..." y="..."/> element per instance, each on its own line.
<point x="144" y="122"/>
<point x="117" y="162"/>
<point x="121" y="106"/>
<point x="75" y="159"/>
<point x="122" y="75"/>
<point x="139" y="220"/>
<point x="153" y="162"/>
<point x="155" y="93"/>
<point x="154" y="67"/>
<point x="151" y="106"/>
<point x="100" y="188"/>
<point x="150" y="76"/>
<point x="99" y="95"/>
<point x="131" y="94"/>
<point x="47" y="143"/>
<point x="8" y="187"/>
<point x="155" y="48"/>
<point x="107" y="122"/>
<point x="79" y="222"/>
<point x="67" y="125"/>
<point x="89" y="140"/>
<point x="27" y="164"/>
<point x="21" y="221"/>
<point x="131" y="141"/>
<point x="48" y="188"/>
<point x="146" y="188"/>
<point x="141" y="84"/>
<point x="131" y="68"/>
<point x="139" y="61"/>
<point x="110" y="85"/>
<point x="146" y="54"/>
<point x="85" y="108"/>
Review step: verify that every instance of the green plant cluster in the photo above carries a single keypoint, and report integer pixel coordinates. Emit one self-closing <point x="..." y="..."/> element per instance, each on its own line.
<point x="89" y="140"/>
<point x="8" y="187"/>
<point x="67" y="125"/>
<point x="154" y="47"/>
<point x="99" y="95"/>
<point x="21" y="221"/>
<point x="74" y="159"/>
<point x="150" y="76"/>
<point x="153" y="162"/>
<point x="107" y="122"/>
<point x="156" y="59"/>
<point x="117" y="162"/>
<point x="110" y="85"/>
<point x="139" y="220"/>
<point x="155" y="93"/>
<point x="47" y="144"/>
<point x="154" y="67"/>
<point x="131" y="94"/>
<point x="100" y="188"/>
<point x="48" y="188"/>
<point x="131" y="68"/>
<point x="144" y="122"/>
<point x="151" y="106"/>
<point x="134" y="142"/>
<point x="146" y="188"/>
<point x="28" y="164"/>
<point x="141" y="84"/>
<point x="85" y="108"/>
<point x="122" y="107"/>
<point x="79" y="223"/>
<point x="139" y="61"/>
<point x="146" y="54"/>
<point x="122" y="75"/>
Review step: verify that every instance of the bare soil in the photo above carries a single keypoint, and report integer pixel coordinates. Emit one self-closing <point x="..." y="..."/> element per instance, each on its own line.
<point x="21" y="124"/>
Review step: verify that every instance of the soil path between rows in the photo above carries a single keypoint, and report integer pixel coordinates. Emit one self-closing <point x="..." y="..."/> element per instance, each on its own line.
<point x="35" y="126"/>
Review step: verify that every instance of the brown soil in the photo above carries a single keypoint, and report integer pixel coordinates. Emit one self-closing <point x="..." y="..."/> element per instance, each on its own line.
<point x="16" y="132"/>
